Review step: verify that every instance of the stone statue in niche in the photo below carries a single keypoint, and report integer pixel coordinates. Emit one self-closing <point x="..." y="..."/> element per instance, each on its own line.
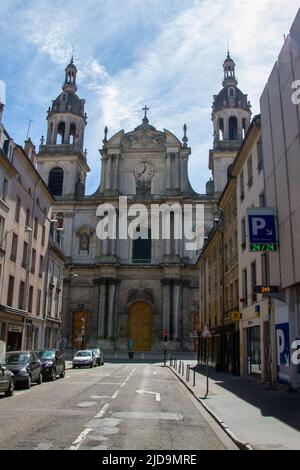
<point x="84" y="242"/>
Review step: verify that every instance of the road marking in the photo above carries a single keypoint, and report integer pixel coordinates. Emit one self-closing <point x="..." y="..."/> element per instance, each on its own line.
<point x="86" y="404"/>
<point x="43" y="446"/>
<point x="102" y="411"/>
<point x="82" y="436"/>
<point x="157" y="395"/>
<point x="147" y="415"/>
<point x="99" y="397"/>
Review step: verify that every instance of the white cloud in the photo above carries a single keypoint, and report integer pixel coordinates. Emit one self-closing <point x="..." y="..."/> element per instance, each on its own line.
<point x="162" y="54"/>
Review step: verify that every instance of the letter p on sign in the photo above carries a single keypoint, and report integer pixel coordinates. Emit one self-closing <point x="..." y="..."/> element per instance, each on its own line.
<point x="258" y="223"/>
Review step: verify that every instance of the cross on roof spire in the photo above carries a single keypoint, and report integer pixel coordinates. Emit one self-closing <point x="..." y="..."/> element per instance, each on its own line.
<point x="146" y="109"/>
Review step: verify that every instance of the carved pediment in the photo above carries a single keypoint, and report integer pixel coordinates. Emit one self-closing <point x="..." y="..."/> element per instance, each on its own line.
<point x="144" y="140"/>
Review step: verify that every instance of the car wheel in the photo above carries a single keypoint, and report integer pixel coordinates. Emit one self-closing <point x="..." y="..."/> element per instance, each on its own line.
<point x="91" y="365"/>
<point x="28" y="385"/>
<point x="62" y="374"/>
<point x="53" y="374"/>
<point x="40" y="379"/>
<point x="102" y="363"/>
<point x="11" y="388"/>
<point x="73" y="367"/>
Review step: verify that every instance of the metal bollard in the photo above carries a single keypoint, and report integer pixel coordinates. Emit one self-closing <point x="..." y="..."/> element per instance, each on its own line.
<point x="194" y="378"/>
<point x="183" y="369"/>
<point x="179" y="369"/>
<point x="187" y="373"/>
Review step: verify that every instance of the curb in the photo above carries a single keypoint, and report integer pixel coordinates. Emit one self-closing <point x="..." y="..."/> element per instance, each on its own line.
<point x="240" y="444"/>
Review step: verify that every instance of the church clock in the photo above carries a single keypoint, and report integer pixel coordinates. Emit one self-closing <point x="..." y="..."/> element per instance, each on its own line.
<point x="144" y="171"/>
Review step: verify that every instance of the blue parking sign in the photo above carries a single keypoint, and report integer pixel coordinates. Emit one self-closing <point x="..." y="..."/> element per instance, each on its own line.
<point x="262" y="225"/>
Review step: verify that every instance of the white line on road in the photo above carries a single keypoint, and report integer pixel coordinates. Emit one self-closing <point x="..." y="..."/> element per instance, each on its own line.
<point x="76" y="444"/>
<point x="102" y="411"/>
<point x="115" y="394"/>
<point x="157" y="395"/>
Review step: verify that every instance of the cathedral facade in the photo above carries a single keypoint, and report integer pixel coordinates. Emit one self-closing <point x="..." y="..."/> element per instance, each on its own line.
<point x="125" y="292"/>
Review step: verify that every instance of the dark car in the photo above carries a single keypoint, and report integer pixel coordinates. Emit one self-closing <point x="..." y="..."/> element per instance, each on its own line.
<point x="99" y="356"/>
<point x="53" y="363"/>
<point x="7" y="381"/>
<point x="84" y="358"/>
<point x="26" y="367"/>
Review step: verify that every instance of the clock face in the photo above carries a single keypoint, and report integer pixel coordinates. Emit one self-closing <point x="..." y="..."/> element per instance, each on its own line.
<point x="144" y="171"/>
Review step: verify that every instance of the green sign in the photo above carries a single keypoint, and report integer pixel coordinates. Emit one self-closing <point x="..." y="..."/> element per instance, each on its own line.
<point x="263" y="246"/>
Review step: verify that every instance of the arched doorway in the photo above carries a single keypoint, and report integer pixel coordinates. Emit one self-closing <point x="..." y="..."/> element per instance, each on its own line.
<point x="80" y="330"/>
<point x="140" y="326"/>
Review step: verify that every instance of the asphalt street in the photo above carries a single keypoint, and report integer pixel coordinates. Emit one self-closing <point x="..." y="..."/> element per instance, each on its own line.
<point x="113" y="407"/>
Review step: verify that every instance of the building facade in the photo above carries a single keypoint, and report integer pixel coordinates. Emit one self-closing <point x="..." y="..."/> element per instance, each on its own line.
<point x="121" y="289"/>
<point x="280" y="115"/>
<point x="256" y="324"/>
<point x="25" y="222"/>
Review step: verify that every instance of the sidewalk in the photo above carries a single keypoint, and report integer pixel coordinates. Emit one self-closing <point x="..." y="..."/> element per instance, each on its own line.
<point x="257" y="416"/>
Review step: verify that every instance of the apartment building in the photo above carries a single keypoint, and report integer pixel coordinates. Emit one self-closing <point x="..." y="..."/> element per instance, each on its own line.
<point x="25" y="218"/>
<point x="280" y="116"/>
<point x="256" y="326"/>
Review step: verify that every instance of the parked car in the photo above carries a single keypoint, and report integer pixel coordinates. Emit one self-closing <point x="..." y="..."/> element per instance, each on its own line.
<point x="99" y="356"/>
<point x="26" y="367"/>
<point x="7" y="381"/>
<point x="84" y="358"/>
<point x="53" y="363"/>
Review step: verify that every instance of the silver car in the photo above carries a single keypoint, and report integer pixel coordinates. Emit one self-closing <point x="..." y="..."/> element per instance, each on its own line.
<point x="84" y="358"/>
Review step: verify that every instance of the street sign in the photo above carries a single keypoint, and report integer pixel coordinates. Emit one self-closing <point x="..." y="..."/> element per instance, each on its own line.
<point x="235" y="316"/>
<point x="266" y="289"/>
<point x="261" y="227"/>
<point x="263" y="246"/>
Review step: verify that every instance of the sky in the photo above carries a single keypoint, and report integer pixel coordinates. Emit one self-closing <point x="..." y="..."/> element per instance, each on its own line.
<point x="167" y="54"/>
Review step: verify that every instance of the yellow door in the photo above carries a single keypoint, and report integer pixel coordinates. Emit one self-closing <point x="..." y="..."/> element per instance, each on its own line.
<point x="140" y="326"/>
<point x="80" y="330"/>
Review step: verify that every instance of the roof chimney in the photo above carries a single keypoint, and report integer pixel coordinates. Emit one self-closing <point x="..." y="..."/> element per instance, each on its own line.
<point x="30" y="150"/>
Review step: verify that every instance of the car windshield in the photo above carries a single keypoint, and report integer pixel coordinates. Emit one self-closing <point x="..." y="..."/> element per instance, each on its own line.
<point x="96" y="351"/>
<point x="47" y="354"/>
<point x="18" y="358"/>
<point x="83" y="354"/>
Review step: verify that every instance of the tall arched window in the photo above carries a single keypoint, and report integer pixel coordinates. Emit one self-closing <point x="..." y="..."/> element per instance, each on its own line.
<point x="72" y="134"/>
<point x="61" y="133"/>
<point x="233" y="130"/>
<point x="56" y="181"/>
<point x="221" y="128"/>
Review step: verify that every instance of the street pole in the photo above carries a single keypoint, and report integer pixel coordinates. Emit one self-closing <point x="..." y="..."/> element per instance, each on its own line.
<point x="270" y="340"/>
<point x="207" y="369"/>
<point x="198" y="355"/>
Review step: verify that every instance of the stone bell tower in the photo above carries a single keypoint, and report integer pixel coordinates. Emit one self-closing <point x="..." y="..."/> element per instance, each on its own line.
<point x="62" y="161"/>
<point x="231" y="113"/>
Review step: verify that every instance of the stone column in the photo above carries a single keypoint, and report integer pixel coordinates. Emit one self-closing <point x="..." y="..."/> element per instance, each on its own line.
<point x="177" y="171"/>
<point x="167" y="247"/>
<point x="101" y="307"/>
<point x="166" y="304"/>
<point x="108" y="173"/>
<point x="104" y="247"/>
<point x="116" y="173"/>
<point x="103" y="173"/>
<point x="184" y="173"/>
<point x="168" y="157"/>
<point x="176" y="308"/>
<point x="111" y="307"/>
